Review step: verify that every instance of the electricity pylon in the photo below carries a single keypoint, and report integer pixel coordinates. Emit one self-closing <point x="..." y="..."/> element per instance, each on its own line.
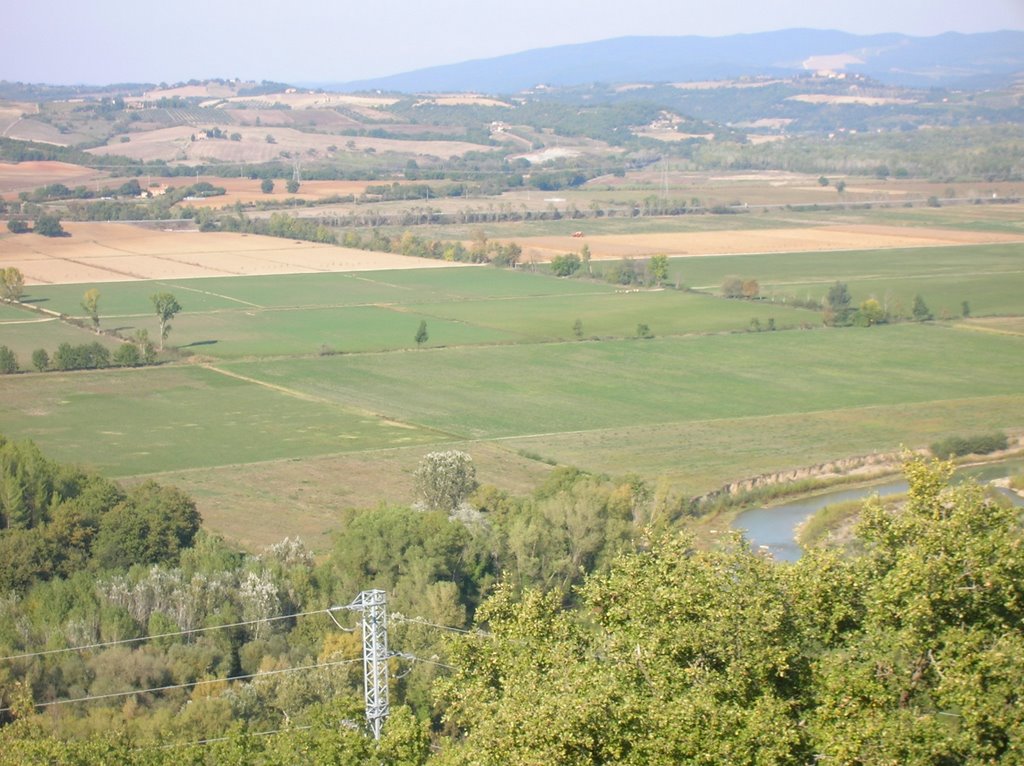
<point x="373" y="605"/>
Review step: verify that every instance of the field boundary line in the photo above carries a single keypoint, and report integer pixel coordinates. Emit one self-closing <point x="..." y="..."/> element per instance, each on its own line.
<point x="825" y="251"/>
<point x="213" y="294"/>
<point x="272" y="386"/>
<point x="742" y="418"/>
<point x="981" y="328"/>
<point x="27" y="321"/>
<point x="329" y="402"/>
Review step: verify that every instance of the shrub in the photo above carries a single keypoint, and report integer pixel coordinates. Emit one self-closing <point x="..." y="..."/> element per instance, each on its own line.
<point x="128" y="355"/>
<point x="40" y="359"/>
<point x="444" y="479"/>
<point x="88" y="356"/>
<point x="982" y="444"/>
<point x="565" y="265"/>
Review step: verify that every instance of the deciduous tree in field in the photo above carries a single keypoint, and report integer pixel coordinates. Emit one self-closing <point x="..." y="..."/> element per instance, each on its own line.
<point x="40" y="359"/>
<point x="8" y="361"/>
<point x="166" y="306"/>
<point x="920" y="310"/>
<point x="91" y="304"/>
<point x="267" y="186"/>
<point x="422" y="336"/>
<point x="12" y="282"/>
<point x="658" y="269"/>
<point x="870" y="312"/>
<point x="49" y="226"/>
<point x="732" y="287"/>
<point x="837" y="304"/>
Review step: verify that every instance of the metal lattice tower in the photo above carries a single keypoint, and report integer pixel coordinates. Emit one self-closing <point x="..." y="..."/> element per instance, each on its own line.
<point x="373" y="605"/>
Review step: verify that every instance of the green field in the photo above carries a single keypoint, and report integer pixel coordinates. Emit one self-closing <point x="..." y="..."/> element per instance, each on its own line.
<point x="149" y="420"/>
<point x="127" y="422"/>
<point x="232" y="318"/>
<point x="271" y="433"/>
<point x="29" y="331"/>
<point x="988" y="277"/>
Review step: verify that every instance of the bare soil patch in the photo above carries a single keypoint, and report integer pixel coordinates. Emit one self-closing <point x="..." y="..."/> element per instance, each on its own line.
<point x="246" y="190"/>
<point x="28" y="129"/>
<point x="461" y="99"/>
<point x="315" y="100"/>
<point x="27" y="176"/>
<point x="785" y="240"/>
<point x="176" y="144"/>
<point x="825" y="98"/>
<point x="117" y="252"/>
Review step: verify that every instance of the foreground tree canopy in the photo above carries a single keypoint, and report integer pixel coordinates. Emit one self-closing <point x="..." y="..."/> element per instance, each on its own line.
<point x="909" y="653"/>
<point x="602" y="641"/>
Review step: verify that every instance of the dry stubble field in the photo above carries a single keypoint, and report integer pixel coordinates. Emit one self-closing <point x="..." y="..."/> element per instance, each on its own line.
<point x="115" y="252"/>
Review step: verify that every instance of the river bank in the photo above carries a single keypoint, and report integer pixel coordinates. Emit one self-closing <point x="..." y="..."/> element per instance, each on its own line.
<point x="781" y="528"/>
<point x="715" y="513"/>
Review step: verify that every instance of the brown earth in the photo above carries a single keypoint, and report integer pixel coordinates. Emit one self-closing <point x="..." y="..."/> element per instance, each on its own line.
<point x="247" y="190"/>
<point x="118" y="252"/>
<point x="27" y="176"/>
<point x="176" y="144"/>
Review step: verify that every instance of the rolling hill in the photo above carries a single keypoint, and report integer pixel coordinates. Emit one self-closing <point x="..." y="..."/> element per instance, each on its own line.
<point x="944" y="60"/>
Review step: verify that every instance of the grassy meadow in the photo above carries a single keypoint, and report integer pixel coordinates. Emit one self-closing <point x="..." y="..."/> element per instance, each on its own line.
<point x="306" y="393"/>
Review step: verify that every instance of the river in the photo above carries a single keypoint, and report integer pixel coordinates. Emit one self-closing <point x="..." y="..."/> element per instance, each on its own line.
<point x="773" y="528"/>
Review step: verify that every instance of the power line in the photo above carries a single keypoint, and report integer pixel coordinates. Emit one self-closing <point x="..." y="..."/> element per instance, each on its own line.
<point x="170" y="687"/>
<point x="102" y="644"/>
<point x="414" y="658"/>
<point x="420" y="621"/>
<point x="269" y="733"/>
<point x="214" y="740"/>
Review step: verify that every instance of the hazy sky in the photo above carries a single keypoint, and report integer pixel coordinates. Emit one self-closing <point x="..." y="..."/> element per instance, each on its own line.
<point x="105" y="41"/>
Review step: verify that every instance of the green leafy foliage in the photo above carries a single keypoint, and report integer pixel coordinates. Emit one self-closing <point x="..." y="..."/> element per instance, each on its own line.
<point x="12" y="283"/>
<point x="444" y="479"/>
<point x="8" y="361"/>
<point x="980" y="444"/>
<point x="732" y="658"/>
<point x="565" y="265"/>
<point x="166" y="307"/>
<point x="596" y="635"/>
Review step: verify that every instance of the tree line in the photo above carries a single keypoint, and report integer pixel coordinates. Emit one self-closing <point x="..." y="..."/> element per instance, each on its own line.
<point x="592" y="622"/>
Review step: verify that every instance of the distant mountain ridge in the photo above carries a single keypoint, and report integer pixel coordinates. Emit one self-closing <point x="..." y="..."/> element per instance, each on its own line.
<point x="948" y="59"/>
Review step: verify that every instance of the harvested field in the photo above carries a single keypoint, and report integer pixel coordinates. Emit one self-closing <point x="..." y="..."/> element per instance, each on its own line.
<point x="461" y="99"/>
<point x="28" y="129"/>
<point x="176" y="145"/>
<point x="247" y="190"/>
<point x="853" y="237"/>
<point x="825" y="98"/>
<point x="27" y="176"/>
<point x="115" y="252"/>
<point x="315" y="100"/>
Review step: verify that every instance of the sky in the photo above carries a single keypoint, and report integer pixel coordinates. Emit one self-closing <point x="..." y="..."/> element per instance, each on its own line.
<point x="108" y="41"/>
